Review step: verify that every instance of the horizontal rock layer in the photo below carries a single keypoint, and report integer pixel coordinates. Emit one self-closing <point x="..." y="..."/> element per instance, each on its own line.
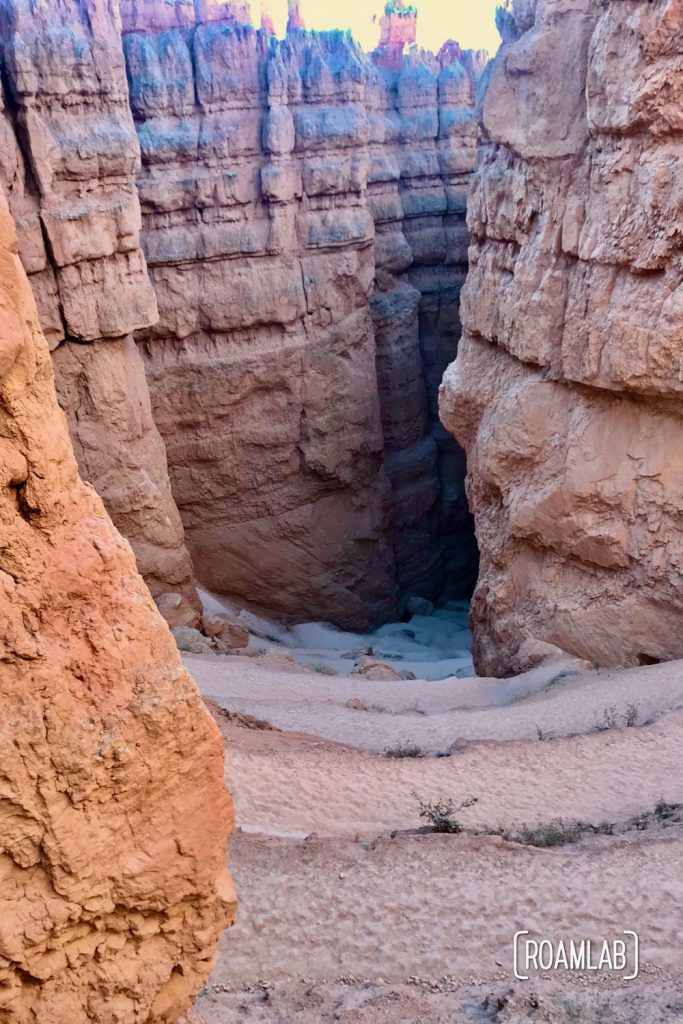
<point x="113" y="808"/>
<point x="303" y="224"/>
<point x="303" y="227"/>
<point x="566" y="390"/>
<point x="69" y="157"/>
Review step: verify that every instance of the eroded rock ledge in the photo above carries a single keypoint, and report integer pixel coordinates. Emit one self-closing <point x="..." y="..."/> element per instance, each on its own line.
<point x="113" y="808"/>
<point x="566" y="390"/>
<point x="303" y="222"/>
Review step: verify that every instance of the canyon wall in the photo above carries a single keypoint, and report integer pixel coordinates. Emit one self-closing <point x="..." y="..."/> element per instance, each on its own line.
<point x="566" y="390"/>
<point x="113" y="807"/>
<point x="281" y="225"/>
<point x="68" y="161"/>
<point x="419" y="174"/>
<point x="303" y="224"/>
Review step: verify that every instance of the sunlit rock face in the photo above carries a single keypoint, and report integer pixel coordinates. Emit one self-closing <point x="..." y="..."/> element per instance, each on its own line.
<point x="566" y="389"/>
<point x="303" y="224"/>
<point x="69" y="157"/>
<point x="113" y="808"/>
<point x="397" y="30"/>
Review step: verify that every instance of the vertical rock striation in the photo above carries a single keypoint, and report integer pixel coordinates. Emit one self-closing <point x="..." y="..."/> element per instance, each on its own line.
<point x="114" y="812"/>
<point x="566" y="390"/>
<point x="69" y="161"/>
<point x="261" y="367"/>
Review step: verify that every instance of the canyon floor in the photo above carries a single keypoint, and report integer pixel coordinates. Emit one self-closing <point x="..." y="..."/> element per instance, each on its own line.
<point x="352" y="911"/>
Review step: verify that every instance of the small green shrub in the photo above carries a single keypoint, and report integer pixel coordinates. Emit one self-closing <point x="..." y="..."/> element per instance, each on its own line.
<point x="665" y="811"/>
<point x="396" y="7"/>
<point x="440" y="814"/>
<point x="557" y="832"/>
<point x="609" y="719"/>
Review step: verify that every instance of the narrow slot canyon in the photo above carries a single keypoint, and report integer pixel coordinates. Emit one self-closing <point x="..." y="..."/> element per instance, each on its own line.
<point x="340" y="511"/>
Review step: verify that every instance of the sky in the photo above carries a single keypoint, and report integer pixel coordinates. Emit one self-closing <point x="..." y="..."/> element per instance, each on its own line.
<point x="469" y="22"/>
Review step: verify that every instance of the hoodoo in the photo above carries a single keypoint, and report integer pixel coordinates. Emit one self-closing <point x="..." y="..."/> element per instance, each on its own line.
<point x="566" y="390"/>
<point x="274" y="432"/>
<point x="309" y="315"/>
<point x="303" y="222"/>
<point x="68" y="165"/>
<point x="113" y="808"/>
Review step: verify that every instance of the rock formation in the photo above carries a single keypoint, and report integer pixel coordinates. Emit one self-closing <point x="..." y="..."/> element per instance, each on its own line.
<point x="113" y="806"/>
<point x="69" y="157"/>
<point x="303" y="227"/>
<point x="283" y="185"/>
<point x="417" y="188"/>
<point x="398" y="30"/>
<point x="566" y="389"/>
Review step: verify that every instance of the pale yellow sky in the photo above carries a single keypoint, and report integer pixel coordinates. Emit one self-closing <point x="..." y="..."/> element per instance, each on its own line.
<point x="470" y="22"/>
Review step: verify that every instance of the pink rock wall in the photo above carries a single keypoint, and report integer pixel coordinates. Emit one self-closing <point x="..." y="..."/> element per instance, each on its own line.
<point x="303" y="230"/>
<point x="279" y="181"/>
<point x="417" y="190"/>
<point x="69" y="158"/>
<point x="566" y="390"/>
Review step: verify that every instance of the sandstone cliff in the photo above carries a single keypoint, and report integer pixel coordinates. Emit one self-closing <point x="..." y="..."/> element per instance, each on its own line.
<point x="114" y="811"/>
<point x="417" y="190"/>
<point x="68" y="160"/>
<point x="566" y="390"/>
<point x="303" y="223"/>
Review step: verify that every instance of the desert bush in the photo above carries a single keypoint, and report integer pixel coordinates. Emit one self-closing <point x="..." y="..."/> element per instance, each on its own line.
<point x="440" y="814"/>
<point x="322" y="669"/>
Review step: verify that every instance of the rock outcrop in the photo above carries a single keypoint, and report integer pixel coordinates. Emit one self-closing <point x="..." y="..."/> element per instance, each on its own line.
<point x="69" y="158"/>
<point x="276" y="431"/>
<point x="303" y="223"/>
<point x="397" y="30"/>
<point x="113" y="806"/>
<point x="566" y="390"/>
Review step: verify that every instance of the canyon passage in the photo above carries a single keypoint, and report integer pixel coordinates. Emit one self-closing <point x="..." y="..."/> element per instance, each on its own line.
<point x="340" y="402"/>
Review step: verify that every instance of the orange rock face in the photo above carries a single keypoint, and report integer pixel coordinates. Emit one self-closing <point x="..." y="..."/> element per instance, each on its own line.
<point x="566" y="390"/>
<point x="113" y="889"/>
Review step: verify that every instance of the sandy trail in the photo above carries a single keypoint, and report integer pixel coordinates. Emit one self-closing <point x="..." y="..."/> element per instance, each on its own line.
<point x="435" y="714"/>
<point x="330" y="790"/>
<point x="338" y="923"/>
<point x="441" y="906"/>
<point x="658" y="998"/>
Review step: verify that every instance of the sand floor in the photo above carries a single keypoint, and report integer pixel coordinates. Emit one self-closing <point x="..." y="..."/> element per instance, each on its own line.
<point x="350" y="913"/>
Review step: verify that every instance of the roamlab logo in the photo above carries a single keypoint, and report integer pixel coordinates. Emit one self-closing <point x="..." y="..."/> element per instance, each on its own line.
<point x="619" y="955"/>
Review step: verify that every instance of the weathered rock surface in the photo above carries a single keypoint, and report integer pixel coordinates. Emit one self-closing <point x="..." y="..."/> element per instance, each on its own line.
<point x="303" y="224"/>
<point x="566" y="390"/>
<point x="417" y="188"/>
<point x="398" y="30"/>
<point x="113" y="889"/>
<point x="283" y="185"/>
<point x="69" y="157"/>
